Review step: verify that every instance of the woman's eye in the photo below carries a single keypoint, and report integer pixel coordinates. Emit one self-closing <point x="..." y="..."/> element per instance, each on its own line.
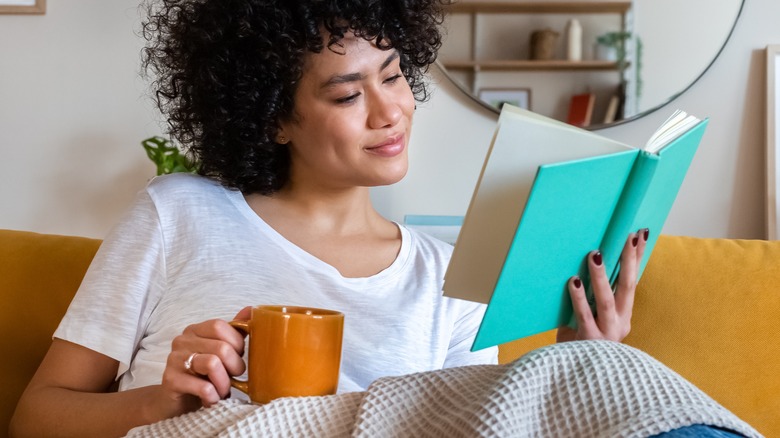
<point x="348" y="99"/>
<point x="393" y="79"/>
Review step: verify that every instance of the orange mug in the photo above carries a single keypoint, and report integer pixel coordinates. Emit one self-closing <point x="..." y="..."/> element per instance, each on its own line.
<point x="293" y="352"/>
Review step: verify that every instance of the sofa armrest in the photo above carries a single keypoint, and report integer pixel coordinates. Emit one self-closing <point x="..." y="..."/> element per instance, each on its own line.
<point x="39" y="274"/>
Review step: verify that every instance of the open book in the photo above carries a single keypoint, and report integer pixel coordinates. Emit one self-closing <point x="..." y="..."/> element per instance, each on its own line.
<point x="548" y="194"/>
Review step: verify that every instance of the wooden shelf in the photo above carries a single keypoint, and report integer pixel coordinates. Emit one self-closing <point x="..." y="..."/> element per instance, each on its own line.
<point x="524" y="65"/>
<point x="531" y="7"/>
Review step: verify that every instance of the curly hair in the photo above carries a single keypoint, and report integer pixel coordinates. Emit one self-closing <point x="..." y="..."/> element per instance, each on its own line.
<point x="225" y="71"/>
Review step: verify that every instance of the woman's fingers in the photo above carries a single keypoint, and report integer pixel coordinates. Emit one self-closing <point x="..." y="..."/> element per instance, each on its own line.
<point x="210" y="367"/>
<point x="613" y="310"/>
<point x="203" y="358"/>
<point x="630" y="261"/>
<point x="244" y="314"/>
<point x="626" y="284"/>
<point x="602" y="290"/>
<point x="182" y="383"/>
<point x="219" y="330"/>
<point x="228" y="357"/>
<point x="585" y="321"/>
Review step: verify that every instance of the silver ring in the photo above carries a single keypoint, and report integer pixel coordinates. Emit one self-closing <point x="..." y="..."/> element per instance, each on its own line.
<point x="188" y="363"/>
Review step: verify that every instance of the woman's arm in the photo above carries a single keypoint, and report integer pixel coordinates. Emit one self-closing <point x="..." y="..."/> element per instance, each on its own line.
<point x="70" y="394"/>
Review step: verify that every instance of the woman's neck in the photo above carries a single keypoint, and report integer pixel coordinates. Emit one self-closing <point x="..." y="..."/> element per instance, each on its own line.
<point x="344" y="230"/>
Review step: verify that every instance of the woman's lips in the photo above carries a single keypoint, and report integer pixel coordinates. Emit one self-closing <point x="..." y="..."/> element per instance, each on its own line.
<point x="390" y="148"/>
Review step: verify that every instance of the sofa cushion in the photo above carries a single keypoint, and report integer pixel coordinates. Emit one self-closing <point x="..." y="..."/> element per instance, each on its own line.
<point x="39" y="274"/>
<point x="709" y="309"/>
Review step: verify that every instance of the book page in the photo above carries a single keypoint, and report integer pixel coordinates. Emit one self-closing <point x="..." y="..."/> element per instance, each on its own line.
<point x="678" y="123"/>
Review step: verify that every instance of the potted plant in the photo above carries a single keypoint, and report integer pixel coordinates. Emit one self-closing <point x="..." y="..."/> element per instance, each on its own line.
<point x="167" y="157"/>
<point x="611" y="46"/>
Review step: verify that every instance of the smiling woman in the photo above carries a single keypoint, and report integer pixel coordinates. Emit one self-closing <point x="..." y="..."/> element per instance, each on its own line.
<point x="353" y="118"/>
<point x="293" y="110"/>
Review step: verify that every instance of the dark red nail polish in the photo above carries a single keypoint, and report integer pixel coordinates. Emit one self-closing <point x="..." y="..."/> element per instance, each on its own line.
<point x="646" y="234"/>
<point x="597" y="258"/>
<point x="577" y="282"/>
<point x="635" y="241"/>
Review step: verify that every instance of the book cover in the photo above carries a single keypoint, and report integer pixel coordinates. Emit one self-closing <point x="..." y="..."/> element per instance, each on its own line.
<point x="581" y="109"/>
<point x="548" y="194"/>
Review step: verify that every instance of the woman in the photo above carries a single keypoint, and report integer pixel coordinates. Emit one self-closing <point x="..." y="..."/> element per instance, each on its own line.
<point x="294" y="109"/>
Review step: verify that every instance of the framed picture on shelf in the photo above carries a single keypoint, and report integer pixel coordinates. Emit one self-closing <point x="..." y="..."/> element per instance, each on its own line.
<point x="22" y="6"/>
<point x="497" y="97"/>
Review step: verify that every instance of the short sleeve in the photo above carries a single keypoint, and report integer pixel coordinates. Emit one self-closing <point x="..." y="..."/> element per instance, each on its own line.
<point x="111" y="309"/>
<point x="464" y="332"/>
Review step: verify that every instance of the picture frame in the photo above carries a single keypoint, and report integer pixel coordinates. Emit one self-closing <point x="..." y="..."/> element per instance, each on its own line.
<point x="772" y="141"/>
<point x="496" y="97"/>
<point x="22" y="6"/>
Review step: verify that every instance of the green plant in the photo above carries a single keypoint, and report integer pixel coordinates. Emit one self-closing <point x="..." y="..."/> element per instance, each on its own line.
<point x="616" y="40"/>
<point x="167" y="157"/>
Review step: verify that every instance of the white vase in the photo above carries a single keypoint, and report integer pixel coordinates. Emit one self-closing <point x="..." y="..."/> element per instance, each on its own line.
<point x="574" y="40"/>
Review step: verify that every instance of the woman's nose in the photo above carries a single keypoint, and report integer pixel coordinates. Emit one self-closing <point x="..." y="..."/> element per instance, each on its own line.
<point x="384" y="111"/>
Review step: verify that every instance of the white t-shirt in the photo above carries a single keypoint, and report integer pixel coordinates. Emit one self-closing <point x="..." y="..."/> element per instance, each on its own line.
<point x="191" y="250"/>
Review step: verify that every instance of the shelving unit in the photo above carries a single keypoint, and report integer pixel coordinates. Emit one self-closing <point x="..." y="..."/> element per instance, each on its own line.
<point x="475" y="8"/>
<point x="531" y="7"/>
<point x="519" y="64"/>
<point x="485" y="56"/>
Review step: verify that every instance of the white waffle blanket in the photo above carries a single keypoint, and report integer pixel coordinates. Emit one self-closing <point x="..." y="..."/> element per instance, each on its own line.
<point x="575" y="389"/>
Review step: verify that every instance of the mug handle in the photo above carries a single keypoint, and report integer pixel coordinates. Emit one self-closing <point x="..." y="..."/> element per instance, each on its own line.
<point x="241" y="385"/>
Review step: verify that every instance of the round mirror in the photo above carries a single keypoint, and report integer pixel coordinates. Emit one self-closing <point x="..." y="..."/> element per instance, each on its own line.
<point x="590" y="63"/>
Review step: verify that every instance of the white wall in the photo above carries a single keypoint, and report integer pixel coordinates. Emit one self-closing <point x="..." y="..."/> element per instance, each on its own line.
<point x="73" y="111"/>
<point x="668" y="39"/>
<point x="72" y="115"/>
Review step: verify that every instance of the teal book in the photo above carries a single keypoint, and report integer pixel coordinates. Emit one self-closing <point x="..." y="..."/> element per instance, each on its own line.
<point x="548" y="194"/>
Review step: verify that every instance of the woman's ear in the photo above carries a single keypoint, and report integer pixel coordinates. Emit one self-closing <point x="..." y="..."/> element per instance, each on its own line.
<point x="281" y="137"/>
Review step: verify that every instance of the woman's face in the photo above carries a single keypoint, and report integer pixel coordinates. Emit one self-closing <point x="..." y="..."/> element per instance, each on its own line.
<point x="352" y="118"/>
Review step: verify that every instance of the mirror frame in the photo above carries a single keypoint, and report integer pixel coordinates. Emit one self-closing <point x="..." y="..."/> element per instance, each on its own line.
<point x="639" y="115"/>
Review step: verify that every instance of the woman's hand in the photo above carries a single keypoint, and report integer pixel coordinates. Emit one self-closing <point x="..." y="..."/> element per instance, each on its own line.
<point x="613" y="311"/>
<point x="200" y="364"/>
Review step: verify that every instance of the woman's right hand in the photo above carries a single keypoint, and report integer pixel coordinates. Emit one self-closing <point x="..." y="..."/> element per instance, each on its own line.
<point x="73" y="379"/>
<point x="214" y="350"/>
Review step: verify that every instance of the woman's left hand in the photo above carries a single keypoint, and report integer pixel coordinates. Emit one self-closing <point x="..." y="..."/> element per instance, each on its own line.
<point x="613" y="311"/>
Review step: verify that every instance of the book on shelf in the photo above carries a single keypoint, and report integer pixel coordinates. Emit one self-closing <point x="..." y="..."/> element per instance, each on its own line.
<point x="548" y="194"/>
<point x="581" y="109"/>
<point x="612" y="108"/>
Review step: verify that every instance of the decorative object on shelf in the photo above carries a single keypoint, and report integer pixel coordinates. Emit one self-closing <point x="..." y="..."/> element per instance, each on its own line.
<point x="167" y="157"/>
<point x="611" y="46"/>
<point x="574" y="40"/>
<point x="22" y="6"/>
<point x="497" y="97"/>
<point x="543" y="44"/>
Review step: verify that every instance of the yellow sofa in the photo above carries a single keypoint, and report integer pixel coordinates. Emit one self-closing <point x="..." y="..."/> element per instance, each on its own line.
<point x="707" y="308"/>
